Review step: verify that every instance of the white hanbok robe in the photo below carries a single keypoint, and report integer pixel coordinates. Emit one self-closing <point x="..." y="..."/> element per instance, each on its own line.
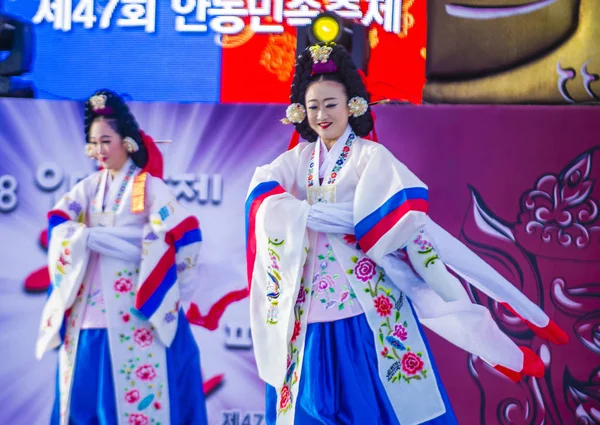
<point x="142" y="293"/>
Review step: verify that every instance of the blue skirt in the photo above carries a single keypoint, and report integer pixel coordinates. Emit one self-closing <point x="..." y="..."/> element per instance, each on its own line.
<point x="340" y="384"/>
<point x="93" y="394"/>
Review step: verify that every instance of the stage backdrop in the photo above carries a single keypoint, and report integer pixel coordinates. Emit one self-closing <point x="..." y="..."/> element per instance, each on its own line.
<point x="518" y="185"/>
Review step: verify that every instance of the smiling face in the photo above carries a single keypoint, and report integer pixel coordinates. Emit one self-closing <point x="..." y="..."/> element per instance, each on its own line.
<point x="108" y="144"/>
<point x="327" y="109"/>
<point x="469" y="38"/>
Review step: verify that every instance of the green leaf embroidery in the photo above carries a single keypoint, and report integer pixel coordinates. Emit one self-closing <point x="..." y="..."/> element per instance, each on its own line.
<point x="354" y="259"/>
<point x="367" y="290"/>
<point x="323" y="300"/>
<point x="331" y="259"/>
<point x="352" y="295"/>
<point x="350" y="271"/>
<point x="405" y="324"/>
<point x="394" y="379"/>
<point x="384" y="325"/>
<point x="335" y="276"/>
<point x="381" y="338"/>
<point x="397" y="315"/>
<point x="321" y="257"/>
<point x="341" y="307"/>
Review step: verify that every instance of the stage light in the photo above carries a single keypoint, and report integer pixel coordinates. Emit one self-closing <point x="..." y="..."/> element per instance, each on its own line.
<point x="16" y="55"/>
<point x="329" y="27"/>
<point x="326" y="28"/>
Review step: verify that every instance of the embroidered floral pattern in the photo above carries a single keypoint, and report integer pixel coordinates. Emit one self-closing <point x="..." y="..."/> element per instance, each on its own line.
<point x="365" y="269"/>
<point x="426" y="249"/>
<point x="293" y="356"/>
<point x="77" y="209"/>
<point x="383" y="305"/>
<point x="140" y="371"/>
<point x="324" y="284"/>
<point x="400" y="332"/>
<point x="311" y="169"/>
<point x="171" y="315"/>
<point x="143" y="337"/>
<point x="63" y="263"/>
<point x="71" y="318"/>
<point x="342" y="159"/>
<point x="285" y="398"/>
<point x="132" y="396"/>
<point x="138" y="419"/>
<point x="393" y="333"/>
<point x="412" y="363"/>
<point x="274" y="280"/>
<point x="146" y="372"/>
<point x="128" y="177"/>
<point x="338" y="164"/>
<point x="124" y="283"/>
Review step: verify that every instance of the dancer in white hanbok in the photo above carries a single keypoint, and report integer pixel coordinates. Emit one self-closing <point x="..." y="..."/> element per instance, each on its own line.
<point x="344" y="266"/>
<point x="121" y="251"/>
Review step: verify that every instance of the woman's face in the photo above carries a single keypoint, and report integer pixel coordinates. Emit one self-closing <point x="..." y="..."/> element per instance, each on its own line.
<point x="109" y="147"/>
<point x="327" y="109"/>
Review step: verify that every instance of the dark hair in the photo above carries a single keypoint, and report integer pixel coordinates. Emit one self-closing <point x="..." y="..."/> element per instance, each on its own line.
<point x="346" y="74"/>
<point x="117" y="114"/>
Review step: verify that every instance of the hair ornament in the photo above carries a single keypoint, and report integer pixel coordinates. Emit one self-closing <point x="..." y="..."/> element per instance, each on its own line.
<point x="90" y="150"/>
<point x="357" y="106"/>
<point x="294" y="114"/>
<point x="131" y="145"/>
<point x="98" y="102"/>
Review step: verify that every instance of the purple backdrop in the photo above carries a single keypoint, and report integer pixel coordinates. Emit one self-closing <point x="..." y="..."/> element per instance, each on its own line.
<point x="517" y="184"/>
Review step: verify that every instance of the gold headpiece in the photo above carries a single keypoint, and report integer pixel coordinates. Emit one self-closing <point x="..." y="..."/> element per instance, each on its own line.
<point x="320" y="53"/>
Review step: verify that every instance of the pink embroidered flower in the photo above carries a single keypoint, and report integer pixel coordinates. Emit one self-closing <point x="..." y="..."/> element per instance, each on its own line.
<point x="296" y="331"/>
<point x="365" y="269"/>
<point x="285" y="397"/>
<point x="344" y="296"/>
<point x="325" y="282"/>
<point x="384" y="352"/>
<point x="146" y="372"/>
<point x="400" y="332"/>
<point x="301" y="296"/>
<point x="142" y="337"/>
<point x="157" y="405"/>
<point x="383" y="305"/>
<point x="132" y="396"/>
<point x="411" y="363"/>
<point x="123" y="285"/>
<point x="126" y="317"/>
<point x="138" y="419"/>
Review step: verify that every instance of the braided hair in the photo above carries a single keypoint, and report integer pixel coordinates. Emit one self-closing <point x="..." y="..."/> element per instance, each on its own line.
<point x="346" y="74"/>
<point x="116" y="114"/>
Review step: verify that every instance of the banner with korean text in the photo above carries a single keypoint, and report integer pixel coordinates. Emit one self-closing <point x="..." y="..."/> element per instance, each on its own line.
<point x="208" y="50"/>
